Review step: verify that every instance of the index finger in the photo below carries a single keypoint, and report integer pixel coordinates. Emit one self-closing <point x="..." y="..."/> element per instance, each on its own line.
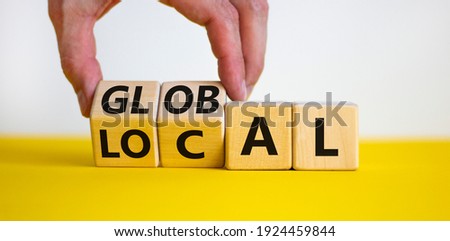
<point x="253" y="15"/>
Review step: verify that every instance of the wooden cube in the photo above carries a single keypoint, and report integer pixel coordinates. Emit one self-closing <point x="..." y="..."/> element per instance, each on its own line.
<point x="191" y="124"/>
<point x="258" y="135"/>
<point x="325" y="137"/>
<point x="123" y="126"/>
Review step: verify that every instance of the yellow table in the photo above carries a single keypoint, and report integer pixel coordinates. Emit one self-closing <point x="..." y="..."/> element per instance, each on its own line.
<point x="55" y="179"/>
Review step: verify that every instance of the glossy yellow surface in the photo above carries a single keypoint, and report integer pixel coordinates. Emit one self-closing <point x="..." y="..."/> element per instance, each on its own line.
<point x="55" y="179"/>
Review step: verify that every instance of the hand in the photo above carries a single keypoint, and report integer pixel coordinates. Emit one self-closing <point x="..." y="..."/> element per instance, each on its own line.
<point x="237" y="30"/>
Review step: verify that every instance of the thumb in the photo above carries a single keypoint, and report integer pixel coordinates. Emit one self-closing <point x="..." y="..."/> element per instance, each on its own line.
<point x="74" y="26"/>
<point x="84" y="75"/>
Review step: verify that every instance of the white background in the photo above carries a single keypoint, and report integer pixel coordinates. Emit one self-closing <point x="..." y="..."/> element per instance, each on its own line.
<point x="391" y="57"/>
<point x="344" y="231"/>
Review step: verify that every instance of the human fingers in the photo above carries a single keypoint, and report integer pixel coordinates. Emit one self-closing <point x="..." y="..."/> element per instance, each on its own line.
<point x="253" y="15"/>
<point x="221" y="20"/>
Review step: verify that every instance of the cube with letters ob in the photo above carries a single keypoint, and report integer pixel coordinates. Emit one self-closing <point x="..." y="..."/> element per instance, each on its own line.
<point x="123" y="125"/>
<point x="191" y="124"/>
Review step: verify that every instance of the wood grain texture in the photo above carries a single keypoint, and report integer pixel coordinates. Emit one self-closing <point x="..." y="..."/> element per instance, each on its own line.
<point x="240" y="116"/>
<point x="342" y="137"/>
<point x="203" y="140"/>
<point x="126" y="129"/>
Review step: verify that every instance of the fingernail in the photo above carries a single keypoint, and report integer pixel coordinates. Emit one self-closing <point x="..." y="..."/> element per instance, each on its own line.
<point x="244" y="90"/>
<point x="249" y="90"/>
<point x="165" y="2"/>
<point x="82" y="101"/>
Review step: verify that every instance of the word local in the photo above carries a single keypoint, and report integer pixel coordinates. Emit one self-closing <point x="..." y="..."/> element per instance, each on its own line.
<point x="189" y="124"/>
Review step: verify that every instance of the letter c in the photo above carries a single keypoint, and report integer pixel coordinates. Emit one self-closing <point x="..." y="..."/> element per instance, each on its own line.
<point x="181" y="144"/>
